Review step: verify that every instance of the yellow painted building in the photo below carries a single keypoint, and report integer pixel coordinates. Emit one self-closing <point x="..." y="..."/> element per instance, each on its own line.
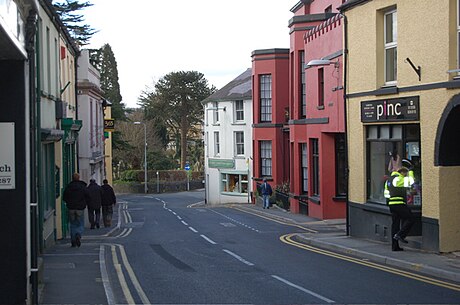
<point x="403" y="95"/>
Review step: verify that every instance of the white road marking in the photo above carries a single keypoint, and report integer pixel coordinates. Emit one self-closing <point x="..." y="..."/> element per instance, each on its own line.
<point x="303" y="289"/>
<point x="208" y="239"/>
<point x="185" y="224"/>
<point x="193" y="230"/>
<point x="105" y="277"/>
<point x="238" y="257"/>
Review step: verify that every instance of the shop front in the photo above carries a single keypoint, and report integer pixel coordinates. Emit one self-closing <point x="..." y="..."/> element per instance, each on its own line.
<point x="392" y="140"/>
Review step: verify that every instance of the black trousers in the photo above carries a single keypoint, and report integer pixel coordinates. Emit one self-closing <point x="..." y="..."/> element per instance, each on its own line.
<point x="94" y="216"/>
<point x="403" y="219"/>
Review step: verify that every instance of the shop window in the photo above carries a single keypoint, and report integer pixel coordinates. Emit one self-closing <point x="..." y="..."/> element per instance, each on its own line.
<point x="234" y="183"/>
<point x="315" y="166"/>
<point x="304" y="169"/>
<point x="389" y="147"/>
<point x="390" y="57"/>
<point x="265" y="83"/>
<point x="266" y="158"/>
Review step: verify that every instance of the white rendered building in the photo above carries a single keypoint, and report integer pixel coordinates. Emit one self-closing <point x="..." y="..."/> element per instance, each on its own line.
<point x="90" y="111"/>
<point x="228" y="142"/>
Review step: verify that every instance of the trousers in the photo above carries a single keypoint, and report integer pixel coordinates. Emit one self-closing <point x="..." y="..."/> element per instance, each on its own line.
<point x="77" y="223"/>
<point x="402" y="221"/>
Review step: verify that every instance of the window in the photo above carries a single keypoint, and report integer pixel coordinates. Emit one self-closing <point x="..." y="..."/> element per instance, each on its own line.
<point x="328" y="9"/>
<point x="340" y="176"/>
<point x="315" y="166"/>
<point x="216" y="112"/>
<point x="383" y="140"/>
<point x="391" y="31"/>
<point x="239" y="111"/>
<point x="216" y="143"/>
<point x="321" y="87"/>
<point x="302" y="86"/>
<point x="265" y="83"/>
<point x="235" y="183"/>
<point x="239" y="143"/>
<point x="266" y="158"/>
<point x="304" y="164"/>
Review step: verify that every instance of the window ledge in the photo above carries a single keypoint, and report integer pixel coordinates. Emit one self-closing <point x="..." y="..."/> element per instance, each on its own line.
<point x="239" y="157"/>
<point x="239" y="123"/>
<point x="320" y="107"/>
<point x="235" y="194"/>
<point x="339" y="198"/>
<point x="315" y="199"/>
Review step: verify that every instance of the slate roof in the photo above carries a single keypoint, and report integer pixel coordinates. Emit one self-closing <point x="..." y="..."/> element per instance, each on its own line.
<point x="238" y="89"/>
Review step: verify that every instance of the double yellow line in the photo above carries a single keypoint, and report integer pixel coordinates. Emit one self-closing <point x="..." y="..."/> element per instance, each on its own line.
<point x="288" y="239"/>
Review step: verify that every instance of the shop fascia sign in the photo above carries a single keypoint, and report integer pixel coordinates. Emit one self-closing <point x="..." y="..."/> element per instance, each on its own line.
<point x="7" y="159"/>
<point x="391" y="110"/>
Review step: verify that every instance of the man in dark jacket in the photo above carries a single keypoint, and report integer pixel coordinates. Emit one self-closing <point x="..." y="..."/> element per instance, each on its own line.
<point x="108" y="201"/>
<point x="94" y="207"/>
<point x="76" y="198"/>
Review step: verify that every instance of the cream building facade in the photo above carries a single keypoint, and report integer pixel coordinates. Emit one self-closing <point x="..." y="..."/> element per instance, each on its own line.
<point x="403" y="93"/>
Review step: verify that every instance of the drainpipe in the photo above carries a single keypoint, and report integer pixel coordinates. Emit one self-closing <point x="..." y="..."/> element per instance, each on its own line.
<point x="32" y="46"/>
<point x="345" y="70"/>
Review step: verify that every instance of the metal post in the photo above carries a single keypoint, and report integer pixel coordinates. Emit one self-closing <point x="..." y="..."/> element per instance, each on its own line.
<point x="158" y="182"/>
<point x="146" y="189"/>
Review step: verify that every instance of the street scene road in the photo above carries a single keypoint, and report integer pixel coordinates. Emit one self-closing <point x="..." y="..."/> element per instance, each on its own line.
<point x="174" y="249"/>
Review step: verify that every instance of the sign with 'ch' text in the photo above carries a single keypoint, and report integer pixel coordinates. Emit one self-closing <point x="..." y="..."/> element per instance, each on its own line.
<point x="391" y="110"/>
<point x="7" y="169"/>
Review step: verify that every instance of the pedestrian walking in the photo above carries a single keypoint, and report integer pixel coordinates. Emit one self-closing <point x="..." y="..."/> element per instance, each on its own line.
<point x="77" y="198"/>
<point x="266" y="191"/>
<point x="94" y="207"/>
<point x="396" y="189"/>
<point x="108" y="201"/>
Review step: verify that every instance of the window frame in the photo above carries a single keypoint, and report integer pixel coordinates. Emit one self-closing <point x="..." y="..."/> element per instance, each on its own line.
<point x="266" y="157"/>
<point x="239" y="143"/>
<point x="304" y="168"/>
<point x="321" y="88"/>
<point x="216" y="143"/>
<point x="265" y="99"/>
<point x="340" y="165"/>
<point x="389" y="46"/>
<point x="315" y="179"/>
<point x="302" y="86"/>
<point x="226" y="183"/>
<point x="215" y="112"/>
<point x="237" y="111"/>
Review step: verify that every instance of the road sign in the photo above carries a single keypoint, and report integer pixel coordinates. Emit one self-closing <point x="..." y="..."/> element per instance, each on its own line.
<point x="187" y="167"/>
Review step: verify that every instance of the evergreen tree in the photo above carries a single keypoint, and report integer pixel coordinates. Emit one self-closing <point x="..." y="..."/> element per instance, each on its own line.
<point x="176" y="104"/>
<point x="73" y="21"/>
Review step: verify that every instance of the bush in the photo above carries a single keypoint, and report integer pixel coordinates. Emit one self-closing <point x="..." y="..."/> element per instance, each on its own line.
<point x="131" y="175"/>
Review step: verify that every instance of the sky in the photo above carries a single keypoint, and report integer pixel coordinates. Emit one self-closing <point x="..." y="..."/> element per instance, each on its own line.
<point x="151" y="38"/>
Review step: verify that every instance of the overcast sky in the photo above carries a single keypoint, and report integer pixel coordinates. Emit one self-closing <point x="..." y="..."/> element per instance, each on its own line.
<point x="151" y="38"/>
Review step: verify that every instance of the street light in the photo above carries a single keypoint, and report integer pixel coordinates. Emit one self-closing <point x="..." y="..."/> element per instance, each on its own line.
<point x="145" y="155"/>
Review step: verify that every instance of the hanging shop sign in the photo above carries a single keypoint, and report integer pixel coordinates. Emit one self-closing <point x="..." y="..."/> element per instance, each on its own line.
<point x="7" y="161"/>
<point x="109" y="124"/>
<point x="391" y="110"/>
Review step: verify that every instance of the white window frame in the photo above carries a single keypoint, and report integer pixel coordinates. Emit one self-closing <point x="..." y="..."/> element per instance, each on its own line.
<point x="216" y="143"/>
<point x="266" y="155"/>
<point x="392" y="45"/>
<point x="237" y="110"/>
<point x="228" y="187"/>
<point x="239" y="143"/>
<point x="215" y="112"/>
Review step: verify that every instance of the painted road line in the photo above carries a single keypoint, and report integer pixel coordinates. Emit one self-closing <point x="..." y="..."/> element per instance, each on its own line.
<point x="193" y="230"/>
<point x="178" y="217"/>
<point x="195" y="204"/>
<point x="126" y="233"/>
<point x="303" y="289"/>
<point x="185" y="224"/>
<point x="121" y="278"/>
<point x="235" y="221"/>
<point x="105" y="277"/>
<point x="275" y="220"/>
<point x="238" y="257"/>
<point x="132" y="276"/>
<point x="288" y="239"/>
<point x="208" y="239"/>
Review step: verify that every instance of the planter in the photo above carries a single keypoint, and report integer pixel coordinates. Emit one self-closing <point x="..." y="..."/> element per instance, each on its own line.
<point x="282" y="200"/>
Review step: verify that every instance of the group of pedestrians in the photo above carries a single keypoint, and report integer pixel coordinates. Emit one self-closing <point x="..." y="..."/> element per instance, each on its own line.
<point x="79" y="196"/>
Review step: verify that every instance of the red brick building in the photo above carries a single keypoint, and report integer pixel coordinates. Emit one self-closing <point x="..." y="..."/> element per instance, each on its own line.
<point x="306" y="133"/>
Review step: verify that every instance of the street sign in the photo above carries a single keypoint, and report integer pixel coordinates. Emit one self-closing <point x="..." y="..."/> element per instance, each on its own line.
<point x="187" y="167"/>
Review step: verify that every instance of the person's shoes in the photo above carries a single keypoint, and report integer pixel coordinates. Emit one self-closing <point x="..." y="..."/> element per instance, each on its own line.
<point x="78" y="240"/>
<point x="399" y="238"/>
<point x="397" y="249"/>
<point x="97" y="226"/>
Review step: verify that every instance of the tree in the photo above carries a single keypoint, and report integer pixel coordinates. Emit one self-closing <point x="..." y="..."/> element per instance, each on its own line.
<point x="67" y="11"/>
<point x="176" y="103"/>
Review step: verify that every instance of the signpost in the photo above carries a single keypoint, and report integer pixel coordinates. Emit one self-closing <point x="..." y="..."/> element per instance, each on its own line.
<point x="187" y="168"/>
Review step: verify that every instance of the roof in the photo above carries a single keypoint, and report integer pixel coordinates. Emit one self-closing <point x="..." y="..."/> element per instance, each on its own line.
<point x="237" y="89"/>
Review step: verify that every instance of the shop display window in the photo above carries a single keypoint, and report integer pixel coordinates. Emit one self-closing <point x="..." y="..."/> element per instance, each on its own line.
<point x="234" y="183"/>
<point x="388" y="148"/>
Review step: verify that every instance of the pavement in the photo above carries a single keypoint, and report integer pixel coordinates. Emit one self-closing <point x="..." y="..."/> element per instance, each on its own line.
<point x="77" y="274"/>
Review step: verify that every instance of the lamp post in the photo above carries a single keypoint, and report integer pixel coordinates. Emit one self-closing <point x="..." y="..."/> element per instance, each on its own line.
<point x="145" y="155"/>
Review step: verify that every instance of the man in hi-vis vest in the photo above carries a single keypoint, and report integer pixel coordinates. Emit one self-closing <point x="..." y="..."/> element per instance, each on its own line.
<point x="396" y="192"/>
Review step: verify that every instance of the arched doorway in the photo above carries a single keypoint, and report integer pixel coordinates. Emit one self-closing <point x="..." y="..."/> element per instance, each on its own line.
<point x="447" y="147"/>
